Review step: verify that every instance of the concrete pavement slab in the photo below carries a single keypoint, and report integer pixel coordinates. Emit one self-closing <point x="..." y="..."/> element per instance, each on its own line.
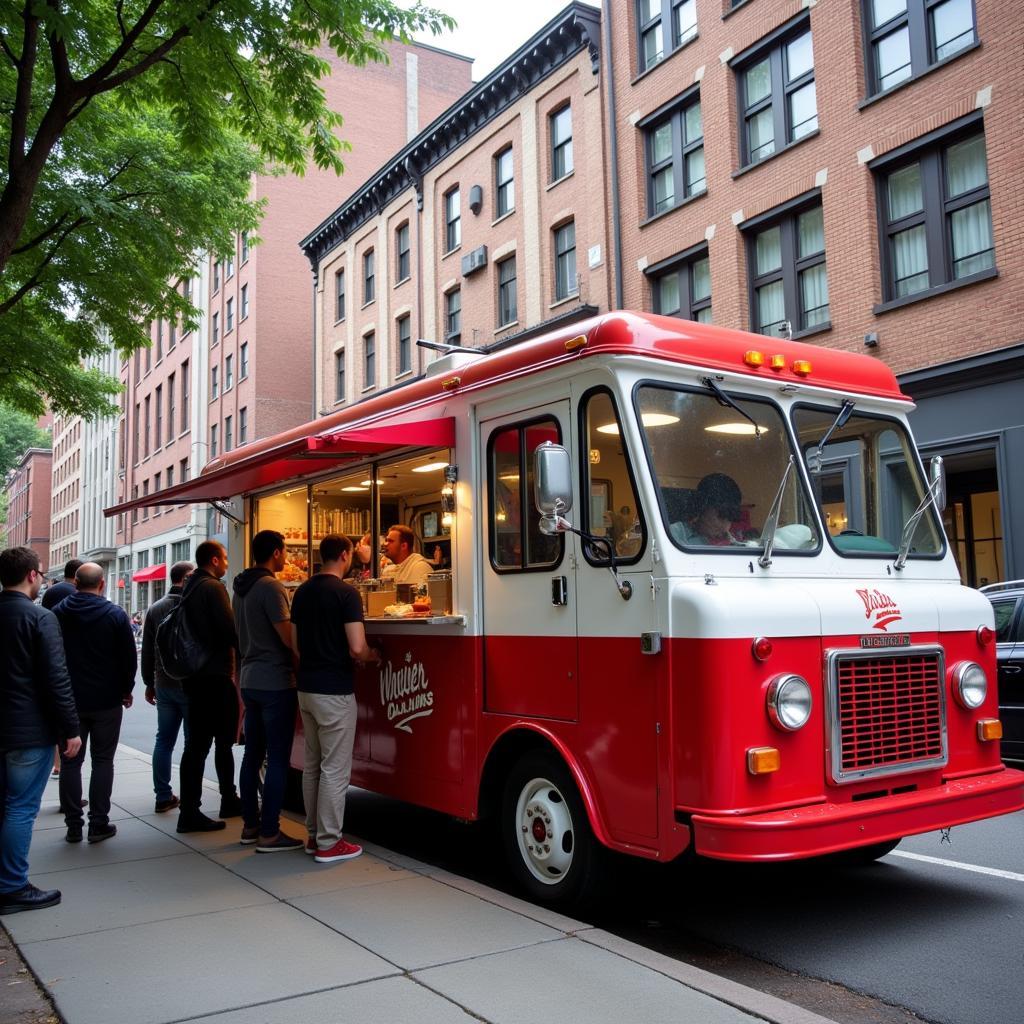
<point x="390" y="1001"/>
<point x="572" y="982"/>
<point x="135" y="840"/>
<point x="50" y="817"/>
<point x="116" y="895"/>
<point x="222" y="841"/>
<point x="416" y="922"/>
<point x="196" y="966"/>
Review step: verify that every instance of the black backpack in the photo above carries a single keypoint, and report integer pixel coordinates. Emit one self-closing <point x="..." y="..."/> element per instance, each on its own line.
<point x="181" y="652"/>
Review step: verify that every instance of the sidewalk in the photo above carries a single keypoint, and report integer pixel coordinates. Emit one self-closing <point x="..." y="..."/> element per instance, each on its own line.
<point x="157" y="927"/>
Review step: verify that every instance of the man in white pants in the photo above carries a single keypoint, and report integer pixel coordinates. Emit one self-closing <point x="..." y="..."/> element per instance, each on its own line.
<point x="327" y="703"/>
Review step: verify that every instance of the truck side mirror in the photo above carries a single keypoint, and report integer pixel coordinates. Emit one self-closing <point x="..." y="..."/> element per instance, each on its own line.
<point x="937" y="473"/>
<point x="552" y="484"/>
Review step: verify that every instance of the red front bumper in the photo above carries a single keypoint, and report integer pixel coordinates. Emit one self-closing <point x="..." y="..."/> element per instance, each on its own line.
<point x="827" y="827"/>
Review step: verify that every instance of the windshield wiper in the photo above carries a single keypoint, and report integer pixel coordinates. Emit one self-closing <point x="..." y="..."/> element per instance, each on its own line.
<point x="910" y="527"/>
<point x="726" y="400"/>
<point x="771" y="523"/>
<point x="816" y="456"/>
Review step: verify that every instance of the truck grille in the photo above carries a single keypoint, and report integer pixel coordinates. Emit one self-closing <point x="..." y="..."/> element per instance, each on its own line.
<point x="887" y="712"/>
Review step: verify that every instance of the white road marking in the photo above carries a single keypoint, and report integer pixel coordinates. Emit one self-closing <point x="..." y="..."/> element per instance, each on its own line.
<point x="1013" y="876"/>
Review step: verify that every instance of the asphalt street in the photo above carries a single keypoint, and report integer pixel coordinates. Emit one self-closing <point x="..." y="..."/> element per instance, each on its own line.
<point x="936" y="939"/>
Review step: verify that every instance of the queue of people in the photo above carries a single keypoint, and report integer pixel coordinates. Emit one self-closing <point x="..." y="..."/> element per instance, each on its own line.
<point x="70" y="675"/>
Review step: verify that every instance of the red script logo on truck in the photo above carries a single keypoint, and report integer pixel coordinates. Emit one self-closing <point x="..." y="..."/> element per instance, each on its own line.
<point x="881" y="607"/>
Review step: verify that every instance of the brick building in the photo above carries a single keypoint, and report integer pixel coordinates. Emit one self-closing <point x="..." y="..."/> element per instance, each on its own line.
<point x="65" y="491"/>
<point x="845" y="173"/>
<point x="28" y="504"/>
<point x="247" y="371"/>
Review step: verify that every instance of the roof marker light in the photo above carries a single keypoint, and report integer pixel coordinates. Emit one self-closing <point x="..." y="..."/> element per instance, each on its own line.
<point x="450" y="383"/>
<point x="986" y="635"/>
<point x="580" y="341"/>
<point x="761" y="648"/>
<point x="802" y="367"/>
<point x="753" y="358"/>
<point x="777" y="362"/>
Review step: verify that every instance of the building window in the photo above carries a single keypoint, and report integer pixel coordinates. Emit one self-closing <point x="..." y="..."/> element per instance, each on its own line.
<point x="229" y="268"/>
<point x="159" y="339"/>
<point x="216" y="275"/>
<point x="675" y="155"/>
<point x="370" y="360"/>
<point x="243" y="361"/>
<point x="145" y="427"/>
<point x="216" y="328"/>
<point x="789" y="287"/>
<point x="170" y="476"/>
<point x="561" y="143"/>
<point x="504" y="182"/>
<point x="181" y="551"/>
<point x="184" y="470"/>
<point x="907" y="37"/>
<point x="653" y="16"/>
<point x="229" y="434"/>
<point x="243" y="425"/>
<point x="507" y="312"/>
<point x="214" y="382"/>
<point x="368" y="283"/>
<point x="452" y="220"/>
<point x="565" y="261"/>
<point x="402" y="261"/>
<point x="245" y="246"/>
<point x="229" y="372"/>
<point x="172" y="335"/>
<point x="170" y="407"/>
<point x="243" y="303"/>
<point x="135" y="436"/>
<point x="339" y="295"/>
<point x="453" y="315"/>
<point x="777" y="95"/>
<point x="185" y="389"/>
<point x="937" y="215"/>
<point x="339" y="376"/>
<point x="683" y="288"/>
<point x="158" y="440"/>
<point x="229" y="317"/>
<point x="213" y="441"/>
<point x="404" y="344"/>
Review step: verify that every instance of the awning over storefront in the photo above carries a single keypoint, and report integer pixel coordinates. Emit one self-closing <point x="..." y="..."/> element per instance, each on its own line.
<point x="297" y="457"/>
<point x="151" y="572"/>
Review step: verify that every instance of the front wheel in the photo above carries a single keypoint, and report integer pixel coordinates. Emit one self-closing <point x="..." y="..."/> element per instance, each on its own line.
<point x="548" y="842"/>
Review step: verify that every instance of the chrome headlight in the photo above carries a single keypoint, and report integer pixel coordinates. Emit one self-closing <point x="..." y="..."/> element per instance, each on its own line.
<point x="789" y="702"/>
<point x="970" y="684"/>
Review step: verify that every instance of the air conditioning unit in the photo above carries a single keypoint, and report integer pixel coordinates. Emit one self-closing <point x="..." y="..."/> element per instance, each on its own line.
<point x="474" y="261"/>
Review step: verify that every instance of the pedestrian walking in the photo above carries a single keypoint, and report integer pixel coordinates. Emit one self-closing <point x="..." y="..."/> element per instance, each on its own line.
<point x="53" y="596"/>
<point x="267" y="682"/>
<point x="166" y="693"/>
<point x="37" y="712"/>
<point x="212" y="712"/>
<point x="327" y="658"/>
<point x="101" y="659"/>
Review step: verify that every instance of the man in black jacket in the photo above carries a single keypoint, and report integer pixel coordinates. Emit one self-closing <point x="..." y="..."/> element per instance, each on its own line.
<point x="53" y="595"/>
<point x="100" y="650"/>
<point x="212" y="697"/>
<point x="37" y="711"/>
<point x="163" y="691"/>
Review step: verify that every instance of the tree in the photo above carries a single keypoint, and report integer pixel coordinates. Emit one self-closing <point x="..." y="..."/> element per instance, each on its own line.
<point x="18" y="433"/>
<point x="130" y="132"/>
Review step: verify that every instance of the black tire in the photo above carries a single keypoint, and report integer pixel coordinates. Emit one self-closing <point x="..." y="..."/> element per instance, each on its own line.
<point x="550" y="848"/>
<point x="861" y="856"/>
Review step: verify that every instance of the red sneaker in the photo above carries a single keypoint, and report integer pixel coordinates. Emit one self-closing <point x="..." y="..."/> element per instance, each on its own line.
<point x="310" y="845"/>
<point x="341" y="850"/>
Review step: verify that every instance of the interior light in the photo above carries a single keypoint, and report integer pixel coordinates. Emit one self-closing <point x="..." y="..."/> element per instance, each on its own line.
<point x="734" y="428"/>
<point x="366" y="483"/>
<point x="430" y="467"/>
<point x="350" y="490"/>
<point x="648" y="419"/>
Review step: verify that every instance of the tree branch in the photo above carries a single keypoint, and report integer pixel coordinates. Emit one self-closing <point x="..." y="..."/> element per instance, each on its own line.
<point x="44" y="263"/>
<point x="11" y="55"/>
<point x="43" y="235"/>
<point x="23" y="94"/>
<point x="59" y="57"/>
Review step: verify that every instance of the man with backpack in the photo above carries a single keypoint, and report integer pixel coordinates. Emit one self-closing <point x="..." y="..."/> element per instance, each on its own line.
<point x="212" y="698"/>
<point x="267" y="681"/>
<point x="162" y="690"/>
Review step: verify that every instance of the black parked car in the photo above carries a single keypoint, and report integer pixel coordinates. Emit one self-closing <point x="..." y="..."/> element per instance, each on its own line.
<point x="1008" y="604"/>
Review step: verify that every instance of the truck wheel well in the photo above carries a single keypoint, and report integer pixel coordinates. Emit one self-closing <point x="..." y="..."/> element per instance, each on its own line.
<point x="503" y="755"/>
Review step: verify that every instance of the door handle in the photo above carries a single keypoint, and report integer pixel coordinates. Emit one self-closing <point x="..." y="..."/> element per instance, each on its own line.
<point x="1010" y="670"/>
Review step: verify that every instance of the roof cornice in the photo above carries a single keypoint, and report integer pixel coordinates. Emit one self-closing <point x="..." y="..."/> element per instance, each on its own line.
<point x="576" y="27"/>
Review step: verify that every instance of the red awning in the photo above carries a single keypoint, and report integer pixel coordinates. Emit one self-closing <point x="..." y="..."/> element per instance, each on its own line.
<point x="298" y="457"/>
<point x="151" y="572"/>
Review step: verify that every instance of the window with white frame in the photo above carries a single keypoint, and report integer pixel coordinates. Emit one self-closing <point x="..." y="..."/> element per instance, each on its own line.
<point x="404" y="326"/>
<point x="565" y="261"/>
<point x="452" y="220"/>
<point x="368" y="277"/>
<point x="504" y="182"/>
<point x="561" y="142"/>
<point x="402" y="253"/>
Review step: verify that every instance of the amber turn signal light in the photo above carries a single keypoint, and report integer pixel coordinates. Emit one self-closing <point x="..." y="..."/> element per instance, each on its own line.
<point x="777" y="362"/>
<point x="753" y="358"/>
<point x="763" y="760"/>
<point x="802" y="367"/>
<point x="579" y="341"/>
<point x="990" y="729"/>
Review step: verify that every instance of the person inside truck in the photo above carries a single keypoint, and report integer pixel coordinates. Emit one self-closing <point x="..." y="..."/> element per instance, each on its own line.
<point x="716" y="508"/>
<point x="408" y="566"/>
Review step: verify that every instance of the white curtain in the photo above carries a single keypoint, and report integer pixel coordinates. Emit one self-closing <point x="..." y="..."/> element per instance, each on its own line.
<point x="972" y="239"/>
<point x="911" y="256"/>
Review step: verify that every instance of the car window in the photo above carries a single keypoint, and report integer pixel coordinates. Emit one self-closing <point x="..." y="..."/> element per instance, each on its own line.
<point x="1004" y="620"/>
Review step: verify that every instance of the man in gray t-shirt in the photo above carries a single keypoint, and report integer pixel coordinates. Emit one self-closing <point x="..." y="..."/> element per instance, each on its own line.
<point x="267" y="680"/>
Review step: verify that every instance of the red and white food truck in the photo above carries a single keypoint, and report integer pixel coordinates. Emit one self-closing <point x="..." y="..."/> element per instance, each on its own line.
<point x="733" y="623"/>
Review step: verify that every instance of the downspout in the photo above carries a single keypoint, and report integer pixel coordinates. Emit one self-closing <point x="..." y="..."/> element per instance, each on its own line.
<point x="614" y="142"/>
<point x="316" y="363"/>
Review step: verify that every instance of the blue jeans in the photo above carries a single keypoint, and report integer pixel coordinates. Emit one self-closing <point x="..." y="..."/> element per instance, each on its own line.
<point x="23" y="775"/>
<point x="269" y="728"/>
<point x="171" y="705"/>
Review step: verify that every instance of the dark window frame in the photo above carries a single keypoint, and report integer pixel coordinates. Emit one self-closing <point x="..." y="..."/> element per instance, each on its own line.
<point x="574" y="288"/>
<point x="403" y="255"/>
<point x="243" y="361"/>
<point x="930" y="152"/>
<point x="916" y="19"/>
<point x="504" y="188"/>
<point x="452" y="220"/>
<point x="674" y="115"/>
<point x="681" y="264"/>
<point x="562" y="159"/>
<point x="339" y="376"/>
<point x="369" y="360"/>
<point x="243" y="425"/>
<point x="369" y="277"/>
<point x="404" y="338"/>
<point x="666" y="16"/>
<point x="786" y="217"/>
<point x="508" y="312"/>
<point x="525" y="499"/>
<point x="452" y="327"/>
<point x="772" y="48"/>
<point x="339" y="295"/>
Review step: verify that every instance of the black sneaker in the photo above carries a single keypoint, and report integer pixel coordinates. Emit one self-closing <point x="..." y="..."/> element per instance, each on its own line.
<point x="167" y="805"/>
<point x="198" y="822"/>
<point x="230" y="807"/>
<point x="279" y="843"/>
<point x="29" y="898"/>
<point x="250" y="836"/>
<point x="97" y="833"/>
<point x="74" y="834"/>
